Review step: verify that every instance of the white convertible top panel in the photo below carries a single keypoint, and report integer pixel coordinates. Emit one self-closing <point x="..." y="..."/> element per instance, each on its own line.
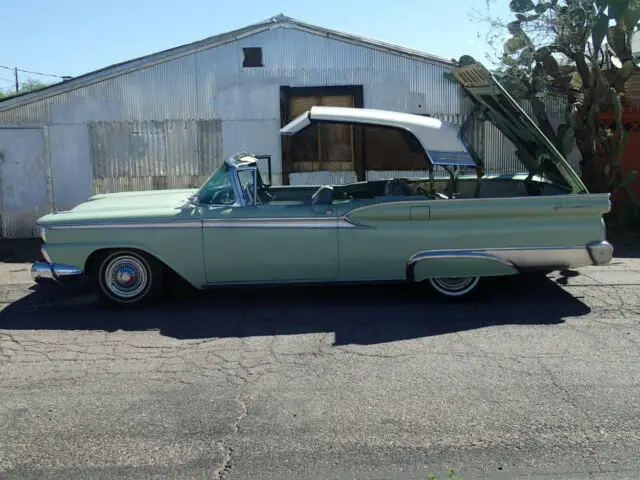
<point x="439" y="139"/>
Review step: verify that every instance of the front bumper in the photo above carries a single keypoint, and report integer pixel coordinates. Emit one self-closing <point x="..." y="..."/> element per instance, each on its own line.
<point x="48" y="270"/>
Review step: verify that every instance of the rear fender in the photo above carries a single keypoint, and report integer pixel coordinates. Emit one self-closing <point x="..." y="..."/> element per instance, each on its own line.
<point x="457" y="264"/>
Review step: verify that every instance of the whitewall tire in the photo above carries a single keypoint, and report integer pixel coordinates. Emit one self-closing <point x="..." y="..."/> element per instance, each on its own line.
<point x="454" y="287"/>
<point x="127" y="277"/>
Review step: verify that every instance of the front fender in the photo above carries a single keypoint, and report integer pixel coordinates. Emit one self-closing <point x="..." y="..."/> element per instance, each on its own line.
<point x="184" y="258"/>
<point x="457" y="264"/>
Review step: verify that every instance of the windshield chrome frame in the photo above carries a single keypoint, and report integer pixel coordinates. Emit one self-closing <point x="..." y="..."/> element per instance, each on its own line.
<point x="253" y="169"/>
<point x="235" y="184"/>
<point x="233" y="171"/>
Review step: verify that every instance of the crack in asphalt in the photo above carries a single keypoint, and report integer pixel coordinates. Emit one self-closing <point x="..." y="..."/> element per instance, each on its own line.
<point x="241" y="367"/>
<point x="557" y="384"/>
<point x="223" y="445"/>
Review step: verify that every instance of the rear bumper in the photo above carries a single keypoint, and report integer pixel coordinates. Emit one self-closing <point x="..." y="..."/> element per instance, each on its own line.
<point x="601" y="253"/>
<point x="48" y="270"/>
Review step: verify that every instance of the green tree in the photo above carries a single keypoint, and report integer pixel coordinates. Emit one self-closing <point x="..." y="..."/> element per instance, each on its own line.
<point x="581" y="51"/>
<point x="29" y="85"/>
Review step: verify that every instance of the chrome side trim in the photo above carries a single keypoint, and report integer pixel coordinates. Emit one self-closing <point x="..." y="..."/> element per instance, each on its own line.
<point x="548" y="198"/>
<point x="468" y="255"/>
<point x="346" y="222"/>
<point x="303" y="222"/>
<point x="518" y="257"/>
<point x="111" y="225"/>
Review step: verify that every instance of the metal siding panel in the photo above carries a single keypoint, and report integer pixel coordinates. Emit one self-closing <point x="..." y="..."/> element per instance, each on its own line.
<point x="258" y="137"/>
<point x="70" y="167"/>
<point x="128" y="156"/>
<point x="296" y="58"/>
<point x="500" y="154"/>
<point x="23" y="184"/>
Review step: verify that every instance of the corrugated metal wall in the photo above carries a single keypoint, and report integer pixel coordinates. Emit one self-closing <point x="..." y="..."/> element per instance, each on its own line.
<point x="170" y="124"/>
<point x="24" y="186"/>
<point x="148" y="155"/>
<point x="500" y="152"/>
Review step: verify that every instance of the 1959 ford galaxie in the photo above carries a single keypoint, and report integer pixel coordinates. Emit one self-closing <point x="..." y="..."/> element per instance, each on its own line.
<point x="449" y="233"/>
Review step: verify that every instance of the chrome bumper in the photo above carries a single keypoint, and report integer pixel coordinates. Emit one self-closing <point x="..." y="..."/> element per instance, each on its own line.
<point x="52" y="271"/>
<point x="48" y="270"/>
<point x="601" y="253"/>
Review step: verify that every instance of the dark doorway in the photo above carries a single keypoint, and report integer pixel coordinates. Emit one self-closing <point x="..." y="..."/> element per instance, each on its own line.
<point x="332" y="147"/>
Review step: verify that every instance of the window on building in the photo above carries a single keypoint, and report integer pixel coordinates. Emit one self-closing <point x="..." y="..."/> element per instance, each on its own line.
<point x="252" y="57"/>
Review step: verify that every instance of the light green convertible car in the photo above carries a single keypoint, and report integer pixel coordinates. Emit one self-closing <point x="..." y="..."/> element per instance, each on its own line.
<point x="449" y="233"/>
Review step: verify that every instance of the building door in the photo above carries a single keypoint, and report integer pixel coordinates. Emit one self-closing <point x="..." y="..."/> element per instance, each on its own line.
<point x="323" y="150"/>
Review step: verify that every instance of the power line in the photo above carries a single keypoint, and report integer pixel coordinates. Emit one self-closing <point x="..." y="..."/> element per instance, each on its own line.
<point x="33" y="73"/>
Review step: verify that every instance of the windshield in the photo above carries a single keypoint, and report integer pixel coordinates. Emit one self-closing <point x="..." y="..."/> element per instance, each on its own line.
<point x="218" y="189"/>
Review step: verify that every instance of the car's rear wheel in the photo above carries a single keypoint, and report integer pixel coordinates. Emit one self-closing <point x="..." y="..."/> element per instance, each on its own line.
<point x="455" y="287"/>
<point x="127" y="277"/>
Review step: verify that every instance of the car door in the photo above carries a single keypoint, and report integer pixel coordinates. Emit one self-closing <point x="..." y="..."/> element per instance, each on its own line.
<point x="264" y="243"/>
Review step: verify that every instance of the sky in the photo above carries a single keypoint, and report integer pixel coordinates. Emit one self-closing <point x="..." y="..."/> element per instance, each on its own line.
<point x="73" y="37"/>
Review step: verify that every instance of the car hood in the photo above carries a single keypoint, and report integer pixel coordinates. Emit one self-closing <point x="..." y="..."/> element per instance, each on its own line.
<point x="536" y="151"/>
<point x="124" y="205"/>
<point x="135" y="200"/>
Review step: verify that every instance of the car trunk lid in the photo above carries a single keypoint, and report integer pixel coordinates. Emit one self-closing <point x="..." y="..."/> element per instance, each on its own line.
<point x="535" y="150"/>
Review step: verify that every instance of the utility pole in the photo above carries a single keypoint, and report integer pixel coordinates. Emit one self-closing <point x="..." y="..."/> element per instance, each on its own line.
<point x="17" y="82"/>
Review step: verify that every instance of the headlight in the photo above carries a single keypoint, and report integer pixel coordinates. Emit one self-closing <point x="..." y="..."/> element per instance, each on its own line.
<point x="43" y="234"/>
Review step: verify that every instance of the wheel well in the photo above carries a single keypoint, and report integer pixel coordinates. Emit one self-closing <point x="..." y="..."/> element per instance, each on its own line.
<point x="93" y="261"/>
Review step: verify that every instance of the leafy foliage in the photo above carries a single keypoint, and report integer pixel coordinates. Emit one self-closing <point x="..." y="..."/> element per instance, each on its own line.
<point x="27" y="86"/>
<point x="581" y="51"/>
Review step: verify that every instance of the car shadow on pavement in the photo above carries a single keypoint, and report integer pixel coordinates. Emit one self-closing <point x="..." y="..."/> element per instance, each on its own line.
<point x="356" y="314"/>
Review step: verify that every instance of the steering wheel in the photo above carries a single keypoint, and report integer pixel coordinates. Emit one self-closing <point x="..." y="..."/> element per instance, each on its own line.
<point x="224" y="196"/>
<point x="429" y="194"/>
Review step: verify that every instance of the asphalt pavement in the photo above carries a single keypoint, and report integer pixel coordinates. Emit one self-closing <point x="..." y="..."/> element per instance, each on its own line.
<point x="540" y="379"/>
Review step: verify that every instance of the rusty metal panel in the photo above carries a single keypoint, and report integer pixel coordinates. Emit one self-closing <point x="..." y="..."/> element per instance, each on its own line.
<point x="154" y="155"/>
<point x="23" y="183"/>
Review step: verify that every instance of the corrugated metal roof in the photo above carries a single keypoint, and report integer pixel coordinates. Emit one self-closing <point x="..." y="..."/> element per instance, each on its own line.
<point x="279" y="21"/>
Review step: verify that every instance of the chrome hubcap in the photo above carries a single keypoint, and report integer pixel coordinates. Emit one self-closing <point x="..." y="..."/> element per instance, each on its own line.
<point x="126" y="276"/>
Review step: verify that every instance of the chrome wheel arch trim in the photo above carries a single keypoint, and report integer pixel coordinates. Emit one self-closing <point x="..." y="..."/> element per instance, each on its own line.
<point x="518" y="258"/>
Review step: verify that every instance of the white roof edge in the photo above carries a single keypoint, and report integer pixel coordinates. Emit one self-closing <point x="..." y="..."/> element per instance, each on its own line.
<point x="360" y="115"/>
<point x="439" y="139"/>
<point x="373" y="116"/>
<point x="207" y="43"/>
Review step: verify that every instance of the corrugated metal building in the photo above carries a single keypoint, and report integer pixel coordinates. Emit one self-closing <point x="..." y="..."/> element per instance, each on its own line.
<point x="167" y="120"/>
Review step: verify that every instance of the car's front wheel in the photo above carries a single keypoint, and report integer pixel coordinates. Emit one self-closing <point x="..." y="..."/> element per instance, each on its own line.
<point x="455" y="287"/>
<point x="128" y="277"/>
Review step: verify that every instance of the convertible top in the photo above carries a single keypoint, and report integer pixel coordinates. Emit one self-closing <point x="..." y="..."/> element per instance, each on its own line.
<point x="440" y="140"/>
